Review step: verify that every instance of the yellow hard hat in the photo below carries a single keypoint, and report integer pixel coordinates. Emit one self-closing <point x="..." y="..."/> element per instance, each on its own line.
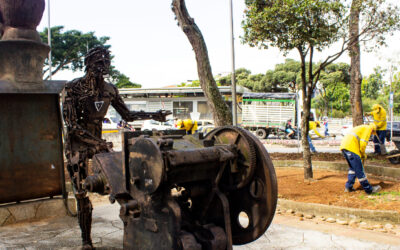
<point x="376" y="106"/>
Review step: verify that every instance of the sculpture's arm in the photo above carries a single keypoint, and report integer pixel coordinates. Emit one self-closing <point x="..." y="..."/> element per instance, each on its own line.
<point x="129" y="116"/>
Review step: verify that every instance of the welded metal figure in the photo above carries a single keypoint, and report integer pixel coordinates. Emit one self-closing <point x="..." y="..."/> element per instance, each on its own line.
<point x="85" y="104"/>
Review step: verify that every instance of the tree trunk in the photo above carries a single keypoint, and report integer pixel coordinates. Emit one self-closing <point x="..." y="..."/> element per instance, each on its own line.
<point x="306" y="95"/>
<point x="355" y="64"/>
<point x="221" y="113"/>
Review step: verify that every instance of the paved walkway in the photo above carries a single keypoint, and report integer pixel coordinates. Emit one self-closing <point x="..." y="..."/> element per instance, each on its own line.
<point x="286" y="232"/>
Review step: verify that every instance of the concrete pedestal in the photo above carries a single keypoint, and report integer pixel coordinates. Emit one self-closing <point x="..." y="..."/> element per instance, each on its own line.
<point x="35" y="210"/>
<point x="22" y="63"/>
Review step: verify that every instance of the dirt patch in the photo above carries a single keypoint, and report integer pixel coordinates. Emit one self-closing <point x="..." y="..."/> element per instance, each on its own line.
<point x="379" y="160"/>
<point x="328" y="188"/>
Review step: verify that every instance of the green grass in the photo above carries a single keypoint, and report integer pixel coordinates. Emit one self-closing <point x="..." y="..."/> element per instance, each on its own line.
<point x="394" y="193"/>
<point x="388" y="196"/>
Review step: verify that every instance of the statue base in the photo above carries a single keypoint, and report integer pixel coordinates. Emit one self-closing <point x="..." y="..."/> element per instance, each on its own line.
<point x="22" y="63"/>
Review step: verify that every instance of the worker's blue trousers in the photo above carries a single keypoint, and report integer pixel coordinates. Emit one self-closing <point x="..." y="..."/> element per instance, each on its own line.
<point x="377" y="145"/>
<point x="356" y="170"/>
<point x="312" y="148"/>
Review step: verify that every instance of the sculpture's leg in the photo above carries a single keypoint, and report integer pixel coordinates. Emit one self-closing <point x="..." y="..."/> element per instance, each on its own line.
<point x="78" y="172"/>
<point x="85" y="221"/>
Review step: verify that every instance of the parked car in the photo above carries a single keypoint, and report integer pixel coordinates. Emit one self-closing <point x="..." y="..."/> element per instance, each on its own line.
<point x="396" y="130"/>
<point x="110" y="122"/>
<point x="152" y="124"/>
<point x="205" y="126"/>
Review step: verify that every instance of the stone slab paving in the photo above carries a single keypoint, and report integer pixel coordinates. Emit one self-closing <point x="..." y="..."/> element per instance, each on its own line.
<point x="286" y="232"/>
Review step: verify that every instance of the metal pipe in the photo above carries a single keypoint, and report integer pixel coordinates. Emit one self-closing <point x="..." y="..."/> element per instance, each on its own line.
<point x="234" y="108"/>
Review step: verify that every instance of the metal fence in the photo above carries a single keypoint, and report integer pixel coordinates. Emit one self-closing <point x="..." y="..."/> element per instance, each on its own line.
<point x="336" y="124"/>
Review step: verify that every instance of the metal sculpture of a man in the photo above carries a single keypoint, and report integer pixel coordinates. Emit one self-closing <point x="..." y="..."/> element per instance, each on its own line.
<point x="85" y="104"/>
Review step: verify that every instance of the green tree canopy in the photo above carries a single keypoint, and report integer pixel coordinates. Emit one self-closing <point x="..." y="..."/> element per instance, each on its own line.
<point x="68" y="48"/>
<point x="305" y="26"/>
<point x="371" y="87"/>
<point x="122" y="81"/>
<point x="285" y="75"/>
<point x="334" y="98"/>
<point x="269" y="82"/>
<point x="195" y="83"/>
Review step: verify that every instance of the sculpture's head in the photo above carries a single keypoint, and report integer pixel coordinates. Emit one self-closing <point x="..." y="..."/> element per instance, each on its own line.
<point x="97" y="61"/>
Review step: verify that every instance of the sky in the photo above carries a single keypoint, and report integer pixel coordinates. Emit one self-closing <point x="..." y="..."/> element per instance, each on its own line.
<point x="153" y="51"/>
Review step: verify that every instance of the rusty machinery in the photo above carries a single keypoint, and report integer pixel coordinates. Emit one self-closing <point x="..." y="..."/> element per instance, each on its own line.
<point x="177" y="191"/>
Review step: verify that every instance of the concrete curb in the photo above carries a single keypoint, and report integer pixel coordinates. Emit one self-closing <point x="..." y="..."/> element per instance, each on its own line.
<point x="35" y="210"/>
<point x="340" y="212"/>
<point x="386" y="173"/>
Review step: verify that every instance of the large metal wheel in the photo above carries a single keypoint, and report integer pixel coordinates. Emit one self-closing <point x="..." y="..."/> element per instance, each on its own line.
<point x="246" y="163"/>
<point x="254" y="197"/>
<point x="396" y="159"/>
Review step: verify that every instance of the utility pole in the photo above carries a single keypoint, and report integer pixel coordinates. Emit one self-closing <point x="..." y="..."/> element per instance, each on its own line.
<point x="391" y="105"/>
<point x="234" y="108"/>
<point x="49" y="36"/>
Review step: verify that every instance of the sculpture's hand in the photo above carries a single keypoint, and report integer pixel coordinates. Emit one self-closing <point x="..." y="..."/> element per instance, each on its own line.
<point x="161" y="115"/>
<point x="104" y="147"/>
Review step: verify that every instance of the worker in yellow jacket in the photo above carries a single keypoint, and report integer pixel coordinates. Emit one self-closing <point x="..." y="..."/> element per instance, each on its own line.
<point x="187" y="124"/>
<point x="313" y="126"/>
<point x="379" y="115"/>
<point x="353" y="148"/>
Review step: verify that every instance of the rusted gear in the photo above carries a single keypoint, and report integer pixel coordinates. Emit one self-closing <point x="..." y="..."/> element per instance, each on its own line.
<point x="247" y="160"/>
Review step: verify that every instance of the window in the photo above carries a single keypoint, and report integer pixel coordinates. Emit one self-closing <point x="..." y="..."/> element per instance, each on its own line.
<point x="182" y="110"/>
<point x="204" y="110"/>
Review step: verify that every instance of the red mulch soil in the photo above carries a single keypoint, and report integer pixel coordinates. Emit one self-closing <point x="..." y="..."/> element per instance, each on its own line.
<point x="328" y="188"/>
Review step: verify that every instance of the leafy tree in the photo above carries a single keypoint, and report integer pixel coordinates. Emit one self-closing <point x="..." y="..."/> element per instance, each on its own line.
<point x="285" y="75"/>
<point x="195" y="83"/>
<point x="221" y="113"/>
<point x="376" y="19"/>
<point x="122" y="81"/>
<point x="279" y="80"/>
<point x="69" y="48"/>
<point x="305" y="26"/>
<point x="372" y="86"/>
<point x="333" y="87"/>
<point x="243" y="78"/>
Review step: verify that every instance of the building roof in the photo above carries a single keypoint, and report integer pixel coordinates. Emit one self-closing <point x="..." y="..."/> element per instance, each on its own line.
<point x="251" y="95"/>
<point x="187" y="91"/>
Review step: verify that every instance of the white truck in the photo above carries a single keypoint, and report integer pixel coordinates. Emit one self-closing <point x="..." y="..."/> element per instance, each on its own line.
<point x="267" y="113"/>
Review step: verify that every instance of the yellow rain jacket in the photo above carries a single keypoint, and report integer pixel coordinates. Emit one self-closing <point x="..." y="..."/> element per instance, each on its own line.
<point x="313" y="126"/>
<point x="379" y="114"/>
<point x="356" y="141"/>
<point x="188" y="125"/>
